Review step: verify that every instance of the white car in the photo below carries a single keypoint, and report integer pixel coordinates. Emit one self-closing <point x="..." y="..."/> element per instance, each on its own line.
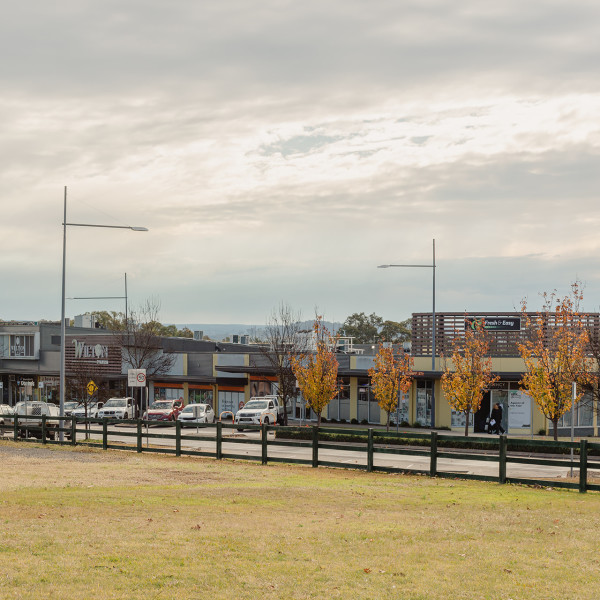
<point x="92" y="411"/>
<point x="193" y="414"/>
<point x="257" y="411"/>
<point x="6" y="413"/>
<point x="117" y="408"/>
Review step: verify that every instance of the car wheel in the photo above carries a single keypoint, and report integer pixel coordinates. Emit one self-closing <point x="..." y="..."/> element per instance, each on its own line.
<point x="266" y="421"/>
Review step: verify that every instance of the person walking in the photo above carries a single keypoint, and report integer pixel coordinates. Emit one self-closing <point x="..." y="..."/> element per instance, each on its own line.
<point x="496" y="420"/>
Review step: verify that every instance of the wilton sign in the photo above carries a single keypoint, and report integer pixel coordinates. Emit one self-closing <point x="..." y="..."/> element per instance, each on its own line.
<point x="100" y="352"/>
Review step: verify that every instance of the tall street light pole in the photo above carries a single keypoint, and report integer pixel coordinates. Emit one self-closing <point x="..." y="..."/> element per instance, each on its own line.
<point x="63" y="328"/>
<point x="432" y="267"/>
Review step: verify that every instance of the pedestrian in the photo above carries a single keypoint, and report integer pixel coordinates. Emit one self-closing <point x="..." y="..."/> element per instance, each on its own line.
<point x="496" y="420"/>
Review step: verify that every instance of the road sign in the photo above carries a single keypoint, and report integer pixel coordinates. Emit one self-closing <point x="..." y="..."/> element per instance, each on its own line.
<point x="136" y="377"/>
<point x="92" y="388"/>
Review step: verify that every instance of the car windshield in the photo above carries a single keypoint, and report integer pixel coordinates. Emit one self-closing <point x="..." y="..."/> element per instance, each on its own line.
<point x="161" y="405"/>
<point x="71" y="404"/>
<point x="116" y="402"/>
<point x="256" y="404"/>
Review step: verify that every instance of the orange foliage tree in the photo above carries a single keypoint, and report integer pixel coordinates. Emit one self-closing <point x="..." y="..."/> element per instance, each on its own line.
<point x="555" y="354"/>
<point x="471" y="372"/>
<point x="316" y="372"/>
<point x="390" y="375"/>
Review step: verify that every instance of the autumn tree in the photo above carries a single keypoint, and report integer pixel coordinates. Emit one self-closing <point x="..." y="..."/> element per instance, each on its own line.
<point x="284" y="338"/>
<point x="141" y="343"/>
<point x="471" y="373"/>
<point x="390" y="375"/>
<point x="555" y="354"/>
<point x="316" y="372"/>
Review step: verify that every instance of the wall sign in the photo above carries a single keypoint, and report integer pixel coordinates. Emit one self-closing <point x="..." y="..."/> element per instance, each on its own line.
<point x="494" y="323"/>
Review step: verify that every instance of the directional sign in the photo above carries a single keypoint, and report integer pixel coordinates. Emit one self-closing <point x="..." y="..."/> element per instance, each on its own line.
<point x="92" y="388"/>
<point x="136" y="377"/>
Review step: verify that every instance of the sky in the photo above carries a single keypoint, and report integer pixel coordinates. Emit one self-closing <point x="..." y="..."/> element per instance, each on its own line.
<point x="279" y="151"/>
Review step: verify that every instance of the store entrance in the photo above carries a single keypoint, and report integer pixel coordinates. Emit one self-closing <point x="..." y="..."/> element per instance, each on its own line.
<point x="480" y="417"/>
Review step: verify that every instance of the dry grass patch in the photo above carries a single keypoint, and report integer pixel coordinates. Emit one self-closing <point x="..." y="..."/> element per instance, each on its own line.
<point x="85" y="523"/>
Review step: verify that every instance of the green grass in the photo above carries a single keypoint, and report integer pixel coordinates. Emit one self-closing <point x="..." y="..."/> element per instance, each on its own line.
<point x="82" y="523"/>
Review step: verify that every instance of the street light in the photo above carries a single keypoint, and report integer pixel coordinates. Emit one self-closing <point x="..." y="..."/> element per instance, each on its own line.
<point x="62" y="312"/>
<point x="432" y="267"/>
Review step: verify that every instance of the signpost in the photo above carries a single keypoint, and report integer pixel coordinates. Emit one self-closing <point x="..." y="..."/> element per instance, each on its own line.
<point x="136" y="378"/>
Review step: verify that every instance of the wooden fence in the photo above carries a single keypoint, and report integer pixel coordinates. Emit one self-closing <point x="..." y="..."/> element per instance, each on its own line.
<point x="371" y="443"/>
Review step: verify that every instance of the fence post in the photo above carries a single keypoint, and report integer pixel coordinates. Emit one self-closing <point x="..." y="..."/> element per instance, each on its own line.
<point x="178" y="438"/>
<point x="263" y="441"/>
<point x="104" y="434"/>
<point x="16" y="426"/>
<point x="583" y="466"/>
<point x="219" y="440"/>
<point x="43" y="429"/>
<point x="502" y="460"/>
<point x="370" y="451"/>
<point x="73" y="431"/>
<point x="315" y="446"/>
<point x="433" y="454"/>
<point x="139" y="435"/>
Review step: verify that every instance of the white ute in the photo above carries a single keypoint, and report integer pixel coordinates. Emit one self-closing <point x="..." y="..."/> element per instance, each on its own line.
<point x="30" y="419"/>
<point x="263" y="409"/>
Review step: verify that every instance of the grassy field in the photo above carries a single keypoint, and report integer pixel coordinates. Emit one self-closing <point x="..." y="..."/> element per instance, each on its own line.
<point x="82" y="524"/>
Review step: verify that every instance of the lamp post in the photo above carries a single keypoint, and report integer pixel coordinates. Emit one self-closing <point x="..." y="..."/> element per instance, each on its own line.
<point x="62" y="311"/>
<point x="432" y="267"/>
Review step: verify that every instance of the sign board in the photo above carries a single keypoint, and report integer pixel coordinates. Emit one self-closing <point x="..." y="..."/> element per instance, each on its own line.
<point x="495" y="323"/>
<point x="136" y="377"/>
<point x="519" y="410"/>
<point x="1" y="384"/>
<point x="91" y="388"/>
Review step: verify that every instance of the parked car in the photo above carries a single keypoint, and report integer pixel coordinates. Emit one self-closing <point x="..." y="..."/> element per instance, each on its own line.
<point x="30" y="419"/>
<point x="257" y="411"/>
<point x="193" y="414"/>
<point x="117" y="408"/>
<point x="92" y="410"/>
<point x="6" y="413"/>
<point x="71" y="406"/>
<point x="164" y="410"/>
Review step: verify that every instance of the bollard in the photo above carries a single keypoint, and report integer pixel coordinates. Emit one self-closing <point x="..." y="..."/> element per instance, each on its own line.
<point x="315" y="446"/>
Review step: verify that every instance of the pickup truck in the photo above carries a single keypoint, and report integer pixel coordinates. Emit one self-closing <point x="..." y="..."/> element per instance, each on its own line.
<point x="263" y="409"/>
<point x="30" y="414"/>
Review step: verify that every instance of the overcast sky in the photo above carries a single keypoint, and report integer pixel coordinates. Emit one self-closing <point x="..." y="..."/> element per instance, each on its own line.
<point x="281" y="150"/>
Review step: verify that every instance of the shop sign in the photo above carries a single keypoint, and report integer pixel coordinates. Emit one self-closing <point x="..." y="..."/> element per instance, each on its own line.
<point x="494" y="323"/>
<point x="519" y="410"/>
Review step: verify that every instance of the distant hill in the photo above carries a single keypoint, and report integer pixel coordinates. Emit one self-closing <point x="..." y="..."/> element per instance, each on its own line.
<point x="219" y="331"/>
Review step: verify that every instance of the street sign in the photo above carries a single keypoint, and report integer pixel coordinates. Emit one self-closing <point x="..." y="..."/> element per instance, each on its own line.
<point x="136" y="377"/>
<point x="91" y="388"/>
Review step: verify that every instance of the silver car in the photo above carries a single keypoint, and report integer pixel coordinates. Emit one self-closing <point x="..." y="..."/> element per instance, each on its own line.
<point x="193" y="414"/>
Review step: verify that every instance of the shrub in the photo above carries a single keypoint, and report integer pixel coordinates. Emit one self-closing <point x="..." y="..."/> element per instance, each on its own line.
<point x="354" y="421"/>
<point x="417" y="424"/>
<point x="404" y="423"/>
<point x="343" y="421"/>
<point x="364" y="422"/>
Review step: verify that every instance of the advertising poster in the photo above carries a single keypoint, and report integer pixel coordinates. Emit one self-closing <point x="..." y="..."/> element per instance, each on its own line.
<point x="519" y="410"/>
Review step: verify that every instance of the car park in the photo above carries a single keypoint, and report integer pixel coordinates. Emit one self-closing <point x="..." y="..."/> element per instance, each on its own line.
<point x="117" y="408"/>
<point x="194" y="414"/>
<point x="257" y="411"/>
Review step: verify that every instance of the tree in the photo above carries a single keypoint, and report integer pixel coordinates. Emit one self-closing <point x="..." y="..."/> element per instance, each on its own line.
<point x="390" y="375"/>
<point x="284" y="338"/>
<point x="555" y="354"/>
<point x="471" y="373"/>
<point x="372" y="328"/>
<point x="141" y="343"/>
<point x="316" y="371"/>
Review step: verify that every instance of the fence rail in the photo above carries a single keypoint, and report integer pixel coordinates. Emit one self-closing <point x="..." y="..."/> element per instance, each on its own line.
<point x="369" y="443"/>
